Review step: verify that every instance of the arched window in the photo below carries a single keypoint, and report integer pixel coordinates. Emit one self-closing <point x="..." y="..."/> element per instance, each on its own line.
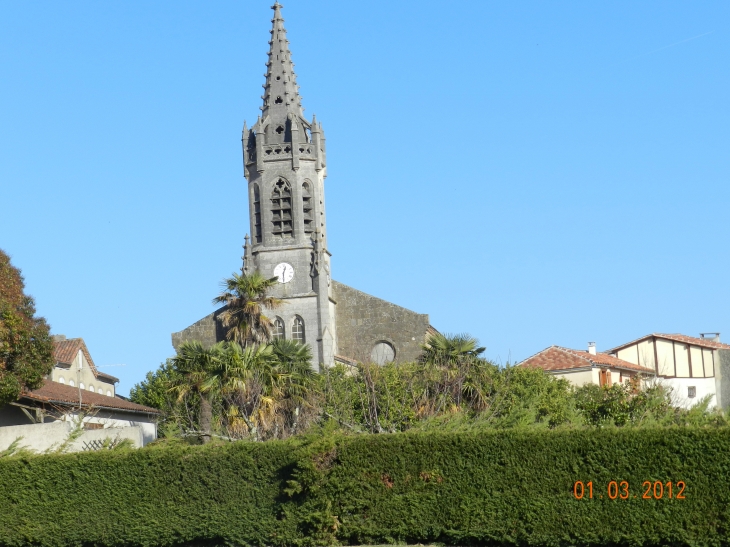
<point x="61" y="380"/>
<point x="81" y="385"/>
<point x="71" y="383"/>
<point x="92" y="389"/>
<point x="281" y="209"/>
<point x="256" y="214"/>
<point x="108" y="393"/>
<point x="278" y="330"/>
<point x="383" y="352"/>
<point x="297" y="331"/>
<point x="100" y="391"/>
<point x="307" y="208"/>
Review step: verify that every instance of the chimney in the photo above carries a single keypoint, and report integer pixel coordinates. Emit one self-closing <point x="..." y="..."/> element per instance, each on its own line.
<point x="711" y="336"/>
<point x="58" y="337"/>
<point x="592" y="348"/>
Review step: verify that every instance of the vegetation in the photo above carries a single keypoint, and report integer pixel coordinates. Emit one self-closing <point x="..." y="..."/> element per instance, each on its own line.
<point x="511" y="487"/>
<point x="245" y="296"/>
<point x="269" y="391"/>
<point x="26" y="349"/>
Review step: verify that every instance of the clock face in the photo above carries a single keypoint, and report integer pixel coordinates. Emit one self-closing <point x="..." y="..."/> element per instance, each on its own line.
<point x="284" y="272"/>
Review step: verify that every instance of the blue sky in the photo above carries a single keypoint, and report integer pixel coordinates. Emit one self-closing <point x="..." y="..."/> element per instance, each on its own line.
<point x="532" y="173"/>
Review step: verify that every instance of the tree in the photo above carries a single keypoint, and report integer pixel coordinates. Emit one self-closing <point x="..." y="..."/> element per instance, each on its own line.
<point x="245" y="297"/>
<point x="26" y="348"/>
<point x="299" y="381"/>
<point x="195" y="370"/>
<point x="442" y="349"/>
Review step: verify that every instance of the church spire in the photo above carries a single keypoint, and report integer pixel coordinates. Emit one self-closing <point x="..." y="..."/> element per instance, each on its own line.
<point x="281" y="92"/>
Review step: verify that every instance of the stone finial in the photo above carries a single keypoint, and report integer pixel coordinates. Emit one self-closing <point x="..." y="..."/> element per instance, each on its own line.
<point x="247" y="258"/>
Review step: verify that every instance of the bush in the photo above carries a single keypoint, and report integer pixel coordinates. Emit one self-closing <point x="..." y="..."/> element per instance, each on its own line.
<point x="498" y="488"/>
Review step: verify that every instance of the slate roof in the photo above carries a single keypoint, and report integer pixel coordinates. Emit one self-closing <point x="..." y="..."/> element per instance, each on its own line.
<point x="683" y="338"/>
<point x="65" y="351"/>
<point x="61" y="394"/>
<point x="558" y="358"/>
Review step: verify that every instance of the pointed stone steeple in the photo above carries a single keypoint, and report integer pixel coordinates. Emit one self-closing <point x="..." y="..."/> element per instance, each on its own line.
<point x="281" y="92"/>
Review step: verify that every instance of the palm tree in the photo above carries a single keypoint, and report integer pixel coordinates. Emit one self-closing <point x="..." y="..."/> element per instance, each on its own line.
<point x="453" y="374"/>
<point x="245" y="297"/>
<point x="196" y="365"/>
<point x="298" y="379"/>
<point x="442" y="349"/>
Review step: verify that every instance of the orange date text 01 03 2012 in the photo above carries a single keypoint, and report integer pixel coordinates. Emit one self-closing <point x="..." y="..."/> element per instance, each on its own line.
<point x="650" y="490"/>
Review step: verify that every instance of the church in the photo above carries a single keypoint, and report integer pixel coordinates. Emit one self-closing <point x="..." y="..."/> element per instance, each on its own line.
<point x="285" y="164"/>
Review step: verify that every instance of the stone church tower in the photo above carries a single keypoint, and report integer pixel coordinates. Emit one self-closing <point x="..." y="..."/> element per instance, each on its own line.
<point x="284" y="162"/>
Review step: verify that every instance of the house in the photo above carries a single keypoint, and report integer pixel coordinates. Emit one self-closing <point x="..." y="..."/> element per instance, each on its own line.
<point x="693" y="367"/>
<point x="586" y="367"/>
<point x="75" y="367"/>
<point x="75" y="393"/>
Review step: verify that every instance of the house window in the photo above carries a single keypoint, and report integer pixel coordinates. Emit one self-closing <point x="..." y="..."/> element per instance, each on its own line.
<point x="692" y="392"/>
<point x="81" y="385"/>
<point x="281" y="217"/>
<point x="297" y="332"/>
<point x="91" y="388"/>
<point x="278" y="330"/>
<point x="61" y="380"/>
<point x="71" y="383"/>
<point x="108" y="393"/>
<point x="604" y="377"/>
<point x="100" y="391"/>
<point x="256" y="214"/>
<point x="307" y="208"/>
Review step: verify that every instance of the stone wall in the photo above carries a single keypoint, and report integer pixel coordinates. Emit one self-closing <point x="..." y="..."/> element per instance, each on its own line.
<point x="208" y="331"/>
<point x="364" y="320"/>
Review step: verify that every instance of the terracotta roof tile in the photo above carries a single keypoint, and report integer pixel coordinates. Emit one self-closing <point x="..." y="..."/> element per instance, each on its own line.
<point x="53" y="392"/>
<point x="558" y="358"/>
<point x="702" y="342"/>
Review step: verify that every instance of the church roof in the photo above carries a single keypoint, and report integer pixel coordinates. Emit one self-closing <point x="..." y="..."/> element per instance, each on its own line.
<point x="63" y="395"/>
<point x="558" y="358"/>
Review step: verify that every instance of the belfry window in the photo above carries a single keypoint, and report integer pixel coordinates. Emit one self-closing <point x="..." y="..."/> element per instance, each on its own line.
<point x="307" y="208"/>
<point x="278" y="331"/>
<point x="281" y="217"/>
<point x="256" y="214"/>
<point x="297" y="331"/>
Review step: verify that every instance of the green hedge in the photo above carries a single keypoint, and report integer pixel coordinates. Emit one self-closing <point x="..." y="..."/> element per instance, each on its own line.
<point x="507" y="488"/>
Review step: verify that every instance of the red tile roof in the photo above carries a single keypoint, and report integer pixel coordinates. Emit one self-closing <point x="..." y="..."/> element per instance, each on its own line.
<point x="702" y="342"/>
<point x="557" y="358"/>
<point x="65" y="351"/>
<point x="53" y="392"/>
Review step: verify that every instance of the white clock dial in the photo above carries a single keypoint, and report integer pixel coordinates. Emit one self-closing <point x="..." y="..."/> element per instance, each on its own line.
<point x="284" y="272"/>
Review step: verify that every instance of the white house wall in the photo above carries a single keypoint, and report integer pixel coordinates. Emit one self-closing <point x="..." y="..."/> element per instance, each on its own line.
<point x="704" y="387"/>
<point x="681" y="359"/>
<point x="580" y="377"/>
<point x="74" y="376"/>
<point x="695" y="355"/>
<point x="708" y="357"/>
<point x="665" y="356"/>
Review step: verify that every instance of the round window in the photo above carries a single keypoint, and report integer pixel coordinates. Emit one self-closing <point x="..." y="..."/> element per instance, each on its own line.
<point x="383" y="352"/>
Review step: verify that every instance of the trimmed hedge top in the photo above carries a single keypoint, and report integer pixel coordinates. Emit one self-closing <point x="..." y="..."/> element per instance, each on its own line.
<point x="506" y="488"/>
